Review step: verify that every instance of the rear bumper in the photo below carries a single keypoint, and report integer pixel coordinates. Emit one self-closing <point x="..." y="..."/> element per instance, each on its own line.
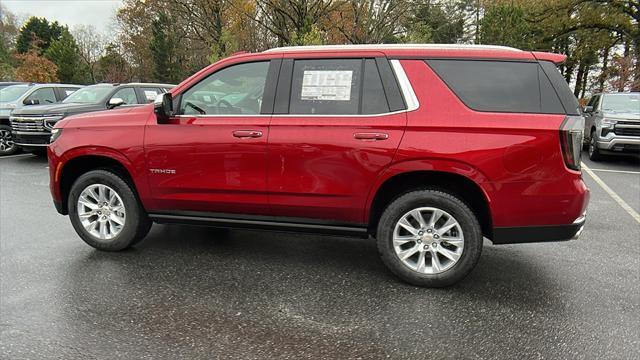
<point x="529" y="234"/>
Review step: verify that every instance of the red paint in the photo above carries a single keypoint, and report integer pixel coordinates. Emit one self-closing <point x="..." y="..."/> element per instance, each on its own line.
<point x="330" y="167"/>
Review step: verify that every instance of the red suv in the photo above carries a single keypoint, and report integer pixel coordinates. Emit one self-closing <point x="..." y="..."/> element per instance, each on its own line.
<point x="428" y="149"/>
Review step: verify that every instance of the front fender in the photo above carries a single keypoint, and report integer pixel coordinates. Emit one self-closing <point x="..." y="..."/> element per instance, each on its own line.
<point x="133" y="162"/>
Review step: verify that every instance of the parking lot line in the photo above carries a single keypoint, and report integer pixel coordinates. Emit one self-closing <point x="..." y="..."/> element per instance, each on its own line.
<point x="617" y="171"/>
<point x="14" y="156"/>
<point x="612" y="193"/>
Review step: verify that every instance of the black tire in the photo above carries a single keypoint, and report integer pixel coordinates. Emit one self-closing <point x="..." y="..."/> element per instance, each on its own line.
<point x="7" y="147"/>
<point x="593" y="151"/>
<point x="441" y="200"/>
<point x="136" y="225"/>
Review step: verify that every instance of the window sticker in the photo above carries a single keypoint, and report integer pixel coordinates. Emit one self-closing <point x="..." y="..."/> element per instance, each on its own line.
<point x="326" y="85"/>
<point x="69" y="92"/>
<point x="150" y="95"/>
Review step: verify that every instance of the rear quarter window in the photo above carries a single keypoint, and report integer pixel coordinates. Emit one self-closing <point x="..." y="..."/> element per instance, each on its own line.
<point x="499" y="86"/>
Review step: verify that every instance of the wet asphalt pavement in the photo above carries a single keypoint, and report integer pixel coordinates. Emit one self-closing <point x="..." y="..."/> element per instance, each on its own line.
<point x="191" y="293"/>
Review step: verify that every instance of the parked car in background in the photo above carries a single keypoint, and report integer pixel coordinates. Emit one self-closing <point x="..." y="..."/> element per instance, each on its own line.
<point x="427" y="148"/>
<point x="4" y="84"/>
<point x="32" y="126"/>
<point x="612" y="124"/>
<point x="21" y="95"/>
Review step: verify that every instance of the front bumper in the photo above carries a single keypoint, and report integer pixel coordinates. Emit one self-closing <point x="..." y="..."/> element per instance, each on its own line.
<point x="30" y="139"/>
<point x="529" y="234"/>
<point x="618" y="143"/>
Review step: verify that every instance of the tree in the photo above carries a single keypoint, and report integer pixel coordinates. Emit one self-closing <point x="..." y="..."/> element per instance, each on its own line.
<point x="437" y="22"/>
<point x="506" y="24"/>
<point x="40" y="31"/>
<point x="294" y="22"/>
<point x="8" y="33"/>
<point x="91" y="45"/>
<point x="163" y="50"/>
<point x="113" y="67"/>
<point x="370" y="22"/>
<point x="36" y="68"/>
<point x="64" y="53"/>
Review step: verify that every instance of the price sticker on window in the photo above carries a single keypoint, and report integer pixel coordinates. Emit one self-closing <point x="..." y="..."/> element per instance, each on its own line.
<point x="326" y="85"/>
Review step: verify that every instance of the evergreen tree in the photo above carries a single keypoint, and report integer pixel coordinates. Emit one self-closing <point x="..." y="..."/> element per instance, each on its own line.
<point x="38" y="32"/>
<point x="64" y="53"/>
<point x="163" y="50"/>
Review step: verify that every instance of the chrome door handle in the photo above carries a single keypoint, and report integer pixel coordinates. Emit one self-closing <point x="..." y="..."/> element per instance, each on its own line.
<point x="371" y="136"/>
<point x="247" y="133"/>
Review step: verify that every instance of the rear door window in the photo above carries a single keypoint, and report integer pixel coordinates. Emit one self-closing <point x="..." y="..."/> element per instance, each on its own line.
<point x="337" y="87"/>
<point x="68" y="91"/>
<point x="149" y="94"/>
<point x="499" y="86"/>
<point x="326" y="87"/>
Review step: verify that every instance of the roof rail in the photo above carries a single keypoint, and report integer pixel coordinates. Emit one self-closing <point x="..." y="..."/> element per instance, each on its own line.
<point x="391" y="46"/>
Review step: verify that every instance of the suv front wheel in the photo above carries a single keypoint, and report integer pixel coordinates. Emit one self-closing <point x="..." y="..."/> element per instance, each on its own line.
<point x="429" y="238"/>
<point x="7" y="146"/>
<point x="594" y="152"/>
<point x="105" y="211"/>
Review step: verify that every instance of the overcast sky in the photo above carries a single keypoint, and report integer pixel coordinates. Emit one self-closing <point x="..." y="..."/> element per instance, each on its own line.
<point x="99" y="13"/>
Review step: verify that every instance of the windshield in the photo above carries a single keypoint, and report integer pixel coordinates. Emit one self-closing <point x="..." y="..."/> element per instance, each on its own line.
<point x="621" y="103"/>
<point x="89" y="95"/>
<point x="12" y="93"/>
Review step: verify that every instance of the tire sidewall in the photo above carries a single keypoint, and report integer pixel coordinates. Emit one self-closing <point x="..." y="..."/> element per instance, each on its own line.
<point x="15" y="147"/>
<point x="594" y="154"/>
<point x="128" y="235"/>
<point x="446" y="202"/>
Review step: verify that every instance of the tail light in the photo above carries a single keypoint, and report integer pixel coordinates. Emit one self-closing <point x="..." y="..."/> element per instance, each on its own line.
<point x="571" y="135"/>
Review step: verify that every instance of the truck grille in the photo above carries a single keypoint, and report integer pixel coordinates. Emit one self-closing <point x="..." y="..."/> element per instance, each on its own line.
<point x="34" y="123"/>
<point x="627" y="131"/>
<point x="27" y="124"/>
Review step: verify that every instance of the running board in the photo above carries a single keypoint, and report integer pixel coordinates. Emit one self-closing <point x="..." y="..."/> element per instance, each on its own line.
<point x="261" y="223"/>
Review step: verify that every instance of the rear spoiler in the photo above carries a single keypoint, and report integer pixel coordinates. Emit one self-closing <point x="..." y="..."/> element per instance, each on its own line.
<point x="547" y="56"/>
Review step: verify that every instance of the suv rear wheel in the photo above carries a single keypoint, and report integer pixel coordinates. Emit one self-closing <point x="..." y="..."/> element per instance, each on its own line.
<point x="429" y="238"/>
<point x="7" y="146"/>
<point x="105" y="211"/>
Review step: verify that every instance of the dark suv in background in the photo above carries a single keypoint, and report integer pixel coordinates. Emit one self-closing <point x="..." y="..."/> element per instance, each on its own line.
<point x="31" y="127"/>
<point x="15" y="96"/>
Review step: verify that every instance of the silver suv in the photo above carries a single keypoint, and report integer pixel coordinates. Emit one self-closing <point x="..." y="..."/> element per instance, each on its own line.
<point x="20" y="95"/>
<point x="612" y="124"/>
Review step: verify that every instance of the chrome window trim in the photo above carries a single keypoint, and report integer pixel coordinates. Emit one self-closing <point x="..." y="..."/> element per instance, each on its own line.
<point x="405" y="87"/>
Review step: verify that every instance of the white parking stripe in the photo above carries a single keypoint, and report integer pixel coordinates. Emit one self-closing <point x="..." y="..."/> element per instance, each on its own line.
<point x="14" y="156"/>
<point x="617" y="171"/>
<point x="612" y="193"/>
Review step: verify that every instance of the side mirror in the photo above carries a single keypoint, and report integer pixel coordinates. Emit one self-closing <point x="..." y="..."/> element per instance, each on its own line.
<point x="163" y="107"/>
<point x="587" y="109"/>
<point x="31" y="101"/>
<point x="115" y="102"/>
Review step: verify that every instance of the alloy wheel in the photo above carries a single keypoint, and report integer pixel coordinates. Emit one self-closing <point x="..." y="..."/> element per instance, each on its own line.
<point x="6" y="141"/>
<point x="101" y="211"/>
<point x="428" y="240"/>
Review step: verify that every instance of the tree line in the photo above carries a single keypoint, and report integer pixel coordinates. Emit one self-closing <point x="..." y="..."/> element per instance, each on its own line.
<point x="167" y="40"/>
